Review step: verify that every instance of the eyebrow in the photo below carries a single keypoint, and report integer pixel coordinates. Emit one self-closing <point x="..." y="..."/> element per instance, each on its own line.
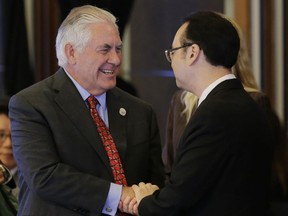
<point x="108" y="45"/>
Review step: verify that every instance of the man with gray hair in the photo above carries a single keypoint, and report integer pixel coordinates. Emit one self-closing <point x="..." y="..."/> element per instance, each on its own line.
<point x="78" y="140"/>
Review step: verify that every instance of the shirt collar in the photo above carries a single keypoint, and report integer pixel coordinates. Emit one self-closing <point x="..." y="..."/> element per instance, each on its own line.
<point x="85" y="94"/>
<point x="213" y="85"/>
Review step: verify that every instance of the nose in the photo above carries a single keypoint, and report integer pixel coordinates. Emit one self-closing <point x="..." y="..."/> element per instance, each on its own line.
<point x="7" y="141"/>
<point x="115" y="57"/>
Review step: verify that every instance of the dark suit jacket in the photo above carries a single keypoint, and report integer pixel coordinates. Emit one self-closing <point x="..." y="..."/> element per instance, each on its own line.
<point x="223" y="162"/>
<point x="63" y="167"/>
<point x="176" y="122"/>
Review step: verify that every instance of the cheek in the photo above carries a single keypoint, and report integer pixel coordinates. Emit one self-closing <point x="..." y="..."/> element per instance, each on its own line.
<point x="5" y="144"/>
<point x="175" y="69"/>
<point x="87" y="70"/>
<point x="88" y="60"/>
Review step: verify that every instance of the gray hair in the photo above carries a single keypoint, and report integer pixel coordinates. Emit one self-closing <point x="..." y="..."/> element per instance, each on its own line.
<point x="74" y="29"/>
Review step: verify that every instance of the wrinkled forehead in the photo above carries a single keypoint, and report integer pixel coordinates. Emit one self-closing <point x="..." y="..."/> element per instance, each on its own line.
<point x="105" y="32"/>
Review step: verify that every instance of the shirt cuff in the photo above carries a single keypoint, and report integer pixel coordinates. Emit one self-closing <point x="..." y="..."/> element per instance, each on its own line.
<point x="113" y="198"/>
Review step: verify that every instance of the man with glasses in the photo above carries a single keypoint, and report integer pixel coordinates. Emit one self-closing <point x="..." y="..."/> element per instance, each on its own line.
<point x="223" y="163"/>
<point x="8" y="175"/>
<point x="8" y="165"/>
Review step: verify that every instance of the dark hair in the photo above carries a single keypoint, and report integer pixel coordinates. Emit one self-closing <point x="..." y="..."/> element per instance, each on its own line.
<point x="215" y="35"/>
<point x="4" y="106"/>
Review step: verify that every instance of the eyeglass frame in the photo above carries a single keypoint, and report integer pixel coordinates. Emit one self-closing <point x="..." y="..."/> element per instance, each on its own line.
<point x="169" y="51"/>
<point x="4" y="136"/>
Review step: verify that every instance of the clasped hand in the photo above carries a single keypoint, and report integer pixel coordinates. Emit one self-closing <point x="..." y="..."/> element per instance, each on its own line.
<point x="131" y="196"/>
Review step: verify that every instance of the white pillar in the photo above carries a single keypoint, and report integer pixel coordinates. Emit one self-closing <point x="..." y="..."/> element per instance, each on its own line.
<point x="279" y="57"/>
<point x="256" y="40"/>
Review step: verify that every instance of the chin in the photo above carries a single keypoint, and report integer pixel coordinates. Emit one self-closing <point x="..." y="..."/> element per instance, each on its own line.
<point x="111" y="86"/>
<point x="178" y="84"/>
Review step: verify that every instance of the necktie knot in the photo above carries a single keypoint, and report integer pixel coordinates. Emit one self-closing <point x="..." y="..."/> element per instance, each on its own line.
<point x="92" y="102"/>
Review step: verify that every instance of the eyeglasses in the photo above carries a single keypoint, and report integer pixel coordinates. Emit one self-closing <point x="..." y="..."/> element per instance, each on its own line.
<point x="169" y="52"/>
<point x="4" y="136"/>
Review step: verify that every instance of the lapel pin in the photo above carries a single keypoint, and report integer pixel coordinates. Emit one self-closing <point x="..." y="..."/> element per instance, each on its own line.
<point x="122" y="112"/>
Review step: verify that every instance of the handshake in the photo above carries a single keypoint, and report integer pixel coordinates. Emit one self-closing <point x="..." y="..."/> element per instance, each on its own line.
<point x="131" y="196"/>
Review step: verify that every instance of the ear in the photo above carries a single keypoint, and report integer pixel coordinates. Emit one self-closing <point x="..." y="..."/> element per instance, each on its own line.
<point x="70" y="53"/>
<point x="193" y="53"/>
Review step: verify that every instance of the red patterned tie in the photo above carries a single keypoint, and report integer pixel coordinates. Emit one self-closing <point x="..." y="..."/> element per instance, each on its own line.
<point x="108" y="142"/>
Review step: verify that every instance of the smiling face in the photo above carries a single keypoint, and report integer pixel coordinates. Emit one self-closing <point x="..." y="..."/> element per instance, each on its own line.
<point x="96" y="67"/>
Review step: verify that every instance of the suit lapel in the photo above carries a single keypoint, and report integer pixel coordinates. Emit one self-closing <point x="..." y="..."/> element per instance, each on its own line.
<point x="118" y="114"/>
<point x="72" y="104"/>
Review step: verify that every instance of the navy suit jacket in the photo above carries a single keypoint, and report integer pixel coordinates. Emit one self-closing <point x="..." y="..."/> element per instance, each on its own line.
<point x="223" y="163"/>
<point x="63" y="166"/>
